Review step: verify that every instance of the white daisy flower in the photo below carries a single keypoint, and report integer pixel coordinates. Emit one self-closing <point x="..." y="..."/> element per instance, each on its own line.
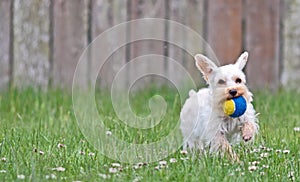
<point x="108" y="133"/>
<point x="264" y="154"/>
<point x="163" y="163"/>
<point x="252" y="168"/>
<point x="157" y="167"/>
<point x="262" y="147"/>
<point x="136" y="167"/>
<point x="59" y="169"/>
<point x="265" y="166"/>
<point x="60" y="145"/>
<point x="3" y="159"/>
<point x="184" y="152"/>
<point x="286" y="151"/>
<point x="255" y="151"/>
<point x="291" y="175"/>
<point x="278" y="151"/>
<point x="21" y="176"/>
<point x="116" y="165"/>
<point x="255" y="163"/>
<point x="297" y="129"/>
<point x="173" y="160"/>
<point x="91" y="154"/>
<point x="112" y="170"/>
<point x="141" y="164"/>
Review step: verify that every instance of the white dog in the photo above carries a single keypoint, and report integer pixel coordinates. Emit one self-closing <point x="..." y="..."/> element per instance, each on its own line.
<point x="203" y="122"/>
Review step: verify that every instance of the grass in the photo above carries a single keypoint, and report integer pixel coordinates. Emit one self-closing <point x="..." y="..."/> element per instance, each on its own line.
<point x="39" y="133"/>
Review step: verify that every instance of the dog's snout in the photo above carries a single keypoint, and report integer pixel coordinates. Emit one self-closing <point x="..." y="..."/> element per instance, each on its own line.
<point x="233" y="92"/>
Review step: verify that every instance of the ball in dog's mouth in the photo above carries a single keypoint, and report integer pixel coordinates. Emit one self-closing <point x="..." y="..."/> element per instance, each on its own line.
<point x="235" y="107"/>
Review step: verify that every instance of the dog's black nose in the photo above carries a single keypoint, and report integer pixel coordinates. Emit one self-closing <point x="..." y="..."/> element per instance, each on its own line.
<point x="233" y="92"/>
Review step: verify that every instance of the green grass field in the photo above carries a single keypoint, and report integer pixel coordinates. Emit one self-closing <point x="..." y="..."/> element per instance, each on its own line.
<point x="40" y="141"/>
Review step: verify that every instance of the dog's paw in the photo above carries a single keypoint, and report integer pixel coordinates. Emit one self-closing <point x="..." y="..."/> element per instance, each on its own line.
<point x="247" y="137"/>
<point x="248" y="131"/>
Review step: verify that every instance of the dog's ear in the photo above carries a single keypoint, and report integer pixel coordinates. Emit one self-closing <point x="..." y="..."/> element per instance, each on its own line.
<point x="205" y="65"/>
<point x="242" y="60"/>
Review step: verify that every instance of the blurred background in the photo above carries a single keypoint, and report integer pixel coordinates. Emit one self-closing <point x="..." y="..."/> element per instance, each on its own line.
<point x="41" y="40"/>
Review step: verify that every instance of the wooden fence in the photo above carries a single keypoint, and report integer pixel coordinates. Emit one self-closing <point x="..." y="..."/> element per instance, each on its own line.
<point x="41" y="40"/>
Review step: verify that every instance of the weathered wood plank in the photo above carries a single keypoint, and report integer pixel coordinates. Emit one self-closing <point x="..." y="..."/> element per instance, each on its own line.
<point x="190" y="13"/>
<point x="5" y="7"/>
<point x="31" y="49"/>
<point x="176" y="53"/>
<point x="70" y="39"/>
<point x="105" y="15"/>
<point x="195" y="20"/>
<point x="262" y="31"/>
<point x="224" y="33"/>
<point x="291" y="72"/>
<point x="146" y="9"/>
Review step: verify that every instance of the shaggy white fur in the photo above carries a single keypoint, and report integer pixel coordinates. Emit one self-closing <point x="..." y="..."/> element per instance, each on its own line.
<point x="203" y="122"/>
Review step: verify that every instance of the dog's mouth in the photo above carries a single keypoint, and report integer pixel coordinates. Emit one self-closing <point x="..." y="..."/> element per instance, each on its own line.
<point x="231" y="97"/>
<point x="234" y="92"/>
<point x="221" y="95"/>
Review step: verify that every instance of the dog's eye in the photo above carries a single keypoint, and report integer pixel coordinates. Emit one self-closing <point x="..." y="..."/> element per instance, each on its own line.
<point x="238" y="80"/>
<point x="222" y="82"/>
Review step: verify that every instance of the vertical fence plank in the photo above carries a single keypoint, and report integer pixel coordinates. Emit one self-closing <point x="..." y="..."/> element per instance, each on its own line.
<point x="70" y="39"/>
<point x="262" y="31"/>
<point x="190" y="13"/>
<point x="195" y="20"/>
<point x="105" y="15"/>
<point x="291" y="72"/>
<point x="225" y="29"/>
<point x="31" y="49"/>
<point x="4" y="43"/>
<point x="102" y="16"/>
<point x="146" y="9"/>
<point x="176" y="13"/>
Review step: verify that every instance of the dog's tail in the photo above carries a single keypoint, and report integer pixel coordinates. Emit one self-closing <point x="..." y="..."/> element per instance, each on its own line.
<point x="192" y="92"/>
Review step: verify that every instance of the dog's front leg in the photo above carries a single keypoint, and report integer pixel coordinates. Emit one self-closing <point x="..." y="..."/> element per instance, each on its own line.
<point x="248" y="130"/>
<point x="250" y="126"/>
<point x="221" y="145"/>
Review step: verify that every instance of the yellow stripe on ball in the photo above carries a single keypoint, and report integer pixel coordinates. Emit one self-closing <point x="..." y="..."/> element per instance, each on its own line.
<point x="229" y="107"/>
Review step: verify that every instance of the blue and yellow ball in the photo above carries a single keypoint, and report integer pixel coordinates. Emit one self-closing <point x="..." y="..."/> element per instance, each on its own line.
<point x="235" y="107"/>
